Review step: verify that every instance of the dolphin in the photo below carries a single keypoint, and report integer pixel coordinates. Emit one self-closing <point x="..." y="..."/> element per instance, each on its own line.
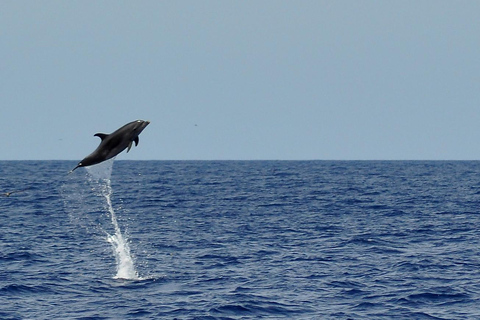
<point x="114" y="143"/>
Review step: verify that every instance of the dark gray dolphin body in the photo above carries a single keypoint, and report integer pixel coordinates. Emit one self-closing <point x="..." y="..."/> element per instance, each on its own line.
<point x="114" y="143"/>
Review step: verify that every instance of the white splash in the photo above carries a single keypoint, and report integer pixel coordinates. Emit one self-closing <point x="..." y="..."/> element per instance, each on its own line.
<point x="100" y="175"/>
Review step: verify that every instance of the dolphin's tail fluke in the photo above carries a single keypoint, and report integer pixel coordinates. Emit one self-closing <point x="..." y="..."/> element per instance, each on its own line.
<point x="73" y="169"/>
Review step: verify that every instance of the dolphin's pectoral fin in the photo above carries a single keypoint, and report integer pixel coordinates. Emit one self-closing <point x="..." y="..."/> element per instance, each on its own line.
<point x="131" y="143"/>
<point x="101" y="135"/>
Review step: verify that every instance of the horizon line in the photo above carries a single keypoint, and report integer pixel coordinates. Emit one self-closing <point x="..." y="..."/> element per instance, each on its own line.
<point x="70" y="160"/>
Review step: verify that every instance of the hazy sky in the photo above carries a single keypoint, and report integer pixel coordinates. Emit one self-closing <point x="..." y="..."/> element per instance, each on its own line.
<point x="242" y="79"/>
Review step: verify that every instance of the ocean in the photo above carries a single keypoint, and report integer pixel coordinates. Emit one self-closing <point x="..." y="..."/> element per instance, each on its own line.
<point x="240" y="240"/>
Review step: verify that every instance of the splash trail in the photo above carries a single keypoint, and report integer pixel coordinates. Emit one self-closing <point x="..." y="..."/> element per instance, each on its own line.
<point x="99" y="176"/>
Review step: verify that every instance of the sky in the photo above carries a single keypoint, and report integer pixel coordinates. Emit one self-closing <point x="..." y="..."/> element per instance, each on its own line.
<point x="242" y="80"/>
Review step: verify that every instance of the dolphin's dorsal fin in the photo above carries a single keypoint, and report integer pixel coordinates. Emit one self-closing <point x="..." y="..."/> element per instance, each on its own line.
<point x="101" y="135"/>
<point x="136" y="141"/>
<point x="129" y="146"/>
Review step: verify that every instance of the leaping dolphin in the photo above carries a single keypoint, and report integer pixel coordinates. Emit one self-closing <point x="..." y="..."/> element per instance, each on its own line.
<point x="114" y="143"/>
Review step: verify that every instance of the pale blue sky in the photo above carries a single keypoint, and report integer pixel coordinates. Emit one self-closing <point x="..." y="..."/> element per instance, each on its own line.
<point x="242" y="79"/>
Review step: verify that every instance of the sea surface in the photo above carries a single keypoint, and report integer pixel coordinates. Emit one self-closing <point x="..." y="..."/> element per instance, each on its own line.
<point x="240" y="240"/>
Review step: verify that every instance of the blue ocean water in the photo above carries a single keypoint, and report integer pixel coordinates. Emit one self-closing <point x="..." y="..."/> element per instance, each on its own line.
<point x="240" y="240"/>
